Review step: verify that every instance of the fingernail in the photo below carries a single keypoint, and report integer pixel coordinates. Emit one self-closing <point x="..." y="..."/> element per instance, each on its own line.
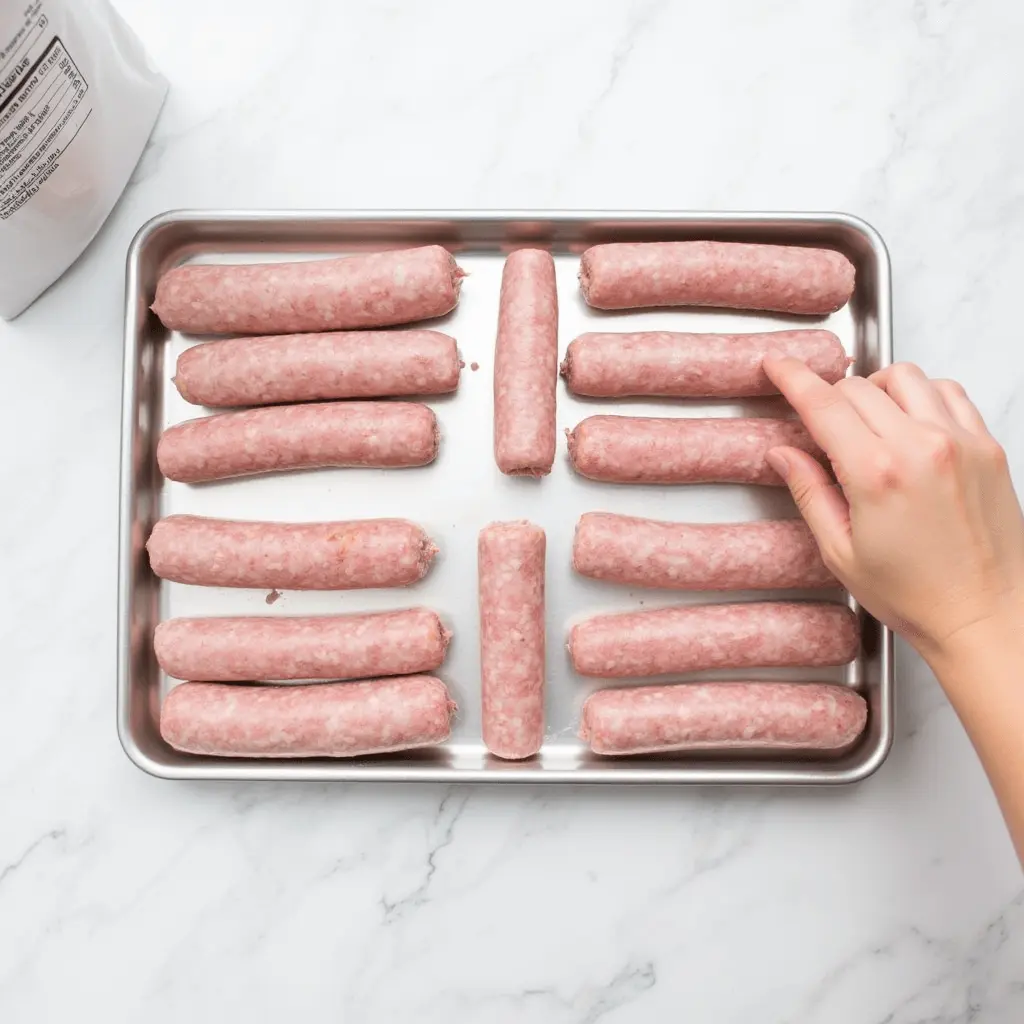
<point x="778" y="461"/>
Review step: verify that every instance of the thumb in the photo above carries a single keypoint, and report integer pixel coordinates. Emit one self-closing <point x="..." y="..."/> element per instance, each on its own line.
<point x="819" y="499"/>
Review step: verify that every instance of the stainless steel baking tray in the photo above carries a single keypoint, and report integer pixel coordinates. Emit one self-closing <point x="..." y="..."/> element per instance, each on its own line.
<point x="463" y="490"/>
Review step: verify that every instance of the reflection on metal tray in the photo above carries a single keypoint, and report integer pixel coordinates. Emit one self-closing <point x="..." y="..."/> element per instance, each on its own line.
<point x="463" y="490"/>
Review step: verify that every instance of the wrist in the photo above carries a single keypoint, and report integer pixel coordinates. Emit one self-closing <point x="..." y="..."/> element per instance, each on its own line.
<point x="998" y="635"/>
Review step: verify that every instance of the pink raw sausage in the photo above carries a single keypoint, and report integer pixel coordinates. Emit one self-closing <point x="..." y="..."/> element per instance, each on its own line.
<point x="659" y="450"/>
<point x="313" y="367"/>
<point x="767" y="555"/>
<point x="373" y="434"/>
<point x="510" y="559"/>
<point x="318" y="720"/>
<point x="782" y="278"/>
<point x="255" y="648"/>
<point x="372" y="290"/>
<point x="346" y="555"/>
<point x="693" y="365"/>
<point x="770" y="717"/>
<point x="526" y="365"/>
<point x="768" y="634"/>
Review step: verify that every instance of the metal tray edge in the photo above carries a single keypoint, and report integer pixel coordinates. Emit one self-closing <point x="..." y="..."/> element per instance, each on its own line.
<point x="347" y="772"/>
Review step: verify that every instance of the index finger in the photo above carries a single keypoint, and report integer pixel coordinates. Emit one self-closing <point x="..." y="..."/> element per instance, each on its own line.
<point x="826" y="413"/>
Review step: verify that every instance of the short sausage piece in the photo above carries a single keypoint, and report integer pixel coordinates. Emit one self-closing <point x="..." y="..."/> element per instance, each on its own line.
<point x="526" y="365"/>
<point x="347" y="555"/>
<point x="768" y="634"/>
<point x="313" y="367"/>
<point x="660" y="450"/>
<point x="666" y="363"/>
<point x="319" y="720"/>
<point x="269" y="647"/>
<point x="782" y="278"/>
<point x="373" y="434"/>
<point x="770" y="717"/>
<point x="373" y="290"/>
<point x="773" y="554"/>
<point x="511" y="575"/>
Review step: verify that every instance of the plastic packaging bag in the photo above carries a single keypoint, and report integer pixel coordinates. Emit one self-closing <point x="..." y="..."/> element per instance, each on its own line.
<point x="78" y="99"/>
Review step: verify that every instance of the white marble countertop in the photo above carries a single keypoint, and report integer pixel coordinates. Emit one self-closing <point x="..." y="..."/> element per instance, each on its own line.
<point x="127" y="899"/>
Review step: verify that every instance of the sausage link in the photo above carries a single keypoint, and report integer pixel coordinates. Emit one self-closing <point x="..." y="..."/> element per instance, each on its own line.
<point x="258" y="648"/>
<point x="781" y="278"/>
<point x="373" y="290"/>
<point x="768" y="555"/>
<point x="380" y="434"/>
<point x="768" y="634"/>
<point x="659" y="450"/>
<point x="510" y="559"/>
<point x="314" y="367"/>
<point x="674" y="365"/>
<point x="526" y="365"/>
<point x="346" y="555"/>
<point x="769" y="717"/>
<point x="375" y="716"/>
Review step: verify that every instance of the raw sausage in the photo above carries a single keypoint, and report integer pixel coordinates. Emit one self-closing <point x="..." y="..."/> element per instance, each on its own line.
<point x="346" y="555"/>
<point x="257" y="648"/>
<point x="510" y="558"/>
<point x="767" y="555"/>
<point x="782" y="278"/>
<point x="693" y="365"/>
<point x="771" y="717"/>
<point x="658" y="450"/>
<point x="312" y="367"/>
<point x="373" y="290"/>
<point x="378" y="434"/>
<point x="769" y="634"/>
<point x="318" y="720"/>
<point x="526" y="365"/>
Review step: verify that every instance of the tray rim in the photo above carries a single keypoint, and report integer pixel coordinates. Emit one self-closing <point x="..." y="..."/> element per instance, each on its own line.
<point x="618" y="771"/>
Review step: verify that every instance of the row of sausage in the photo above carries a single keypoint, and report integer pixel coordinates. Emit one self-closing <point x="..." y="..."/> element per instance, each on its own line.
<point x="614" y="449"/>
<point x="401" y="286"/>
<point x="381" y="364"/>
<point x="378" y="714"/>
<point x="358" y="554"/>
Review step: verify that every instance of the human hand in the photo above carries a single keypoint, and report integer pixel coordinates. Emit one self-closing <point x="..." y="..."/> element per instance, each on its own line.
<point x="924" y="527"/>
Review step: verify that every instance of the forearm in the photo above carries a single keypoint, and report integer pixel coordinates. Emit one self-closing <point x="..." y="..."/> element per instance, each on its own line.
<point x="983" y="677"/>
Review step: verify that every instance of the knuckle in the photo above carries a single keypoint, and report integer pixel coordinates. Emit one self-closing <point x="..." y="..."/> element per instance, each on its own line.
<point x="882" y="474"/>
<point x="904" y="371"/>
<point x="992" y="452"/>
<point x="940" y="449"/>
<point x="849" y="384"/>
<point x="952" y="388"/>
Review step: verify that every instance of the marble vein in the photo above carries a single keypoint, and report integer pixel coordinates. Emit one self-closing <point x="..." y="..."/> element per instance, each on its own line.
<point x="53" y="836"/>
<point x="449" y="811"/>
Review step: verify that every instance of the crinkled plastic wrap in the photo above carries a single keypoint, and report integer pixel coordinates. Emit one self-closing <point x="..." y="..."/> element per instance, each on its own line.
<point x="78" y="99"/>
